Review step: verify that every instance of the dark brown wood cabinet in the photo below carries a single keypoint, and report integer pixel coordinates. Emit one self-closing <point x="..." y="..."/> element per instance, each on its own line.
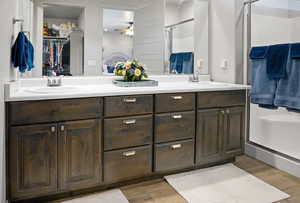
<point x="79" y="154"/>
<point x="33" y="160"/>
<point x="209" y="136"/>
<point x="59" y="146"/>
<point x="234" y="131"/>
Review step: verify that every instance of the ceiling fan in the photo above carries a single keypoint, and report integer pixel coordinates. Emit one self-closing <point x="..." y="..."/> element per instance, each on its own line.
<point x="127" y="31"/>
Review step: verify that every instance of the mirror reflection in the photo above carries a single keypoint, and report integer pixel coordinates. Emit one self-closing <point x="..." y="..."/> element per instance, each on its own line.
<point x="87" y="38"/>
<point x="63" y="39"/>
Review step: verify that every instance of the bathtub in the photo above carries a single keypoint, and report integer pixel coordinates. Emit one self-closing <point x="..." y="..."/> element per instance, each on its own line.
<point x="278" y="130"/>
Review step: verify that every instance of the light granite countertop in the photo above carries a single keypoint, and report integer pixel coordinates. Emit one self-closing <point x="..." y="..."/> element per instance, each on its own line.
<point x="36" y="89"/>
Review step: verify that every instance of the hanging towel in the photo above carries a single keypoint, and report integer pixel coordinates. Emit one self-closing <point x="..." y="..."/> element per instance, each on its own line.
<point x="295" y="51"/>
<point x="22" y="53"/>
<point x="288" y="91"/>
<point x="277" y="57"/>
<point x="188" y="63"/>
<point x="173" y="61"/>
<point x="263" y="88"/>
<point x="179" y="62"/>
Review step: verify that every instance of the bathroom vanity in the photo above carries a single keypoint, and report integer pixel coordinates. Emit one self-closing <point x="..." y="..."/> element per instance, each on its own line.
<point x="56" y="146"/>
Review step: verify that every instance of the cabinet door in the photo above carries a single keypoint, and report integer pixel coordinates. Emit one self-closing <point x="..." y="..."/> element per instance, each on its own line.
<point x="79" y="155"/>
<point x="234" y="131"/>
<point x="209" y="136"/>
<point x="32" y="161"/>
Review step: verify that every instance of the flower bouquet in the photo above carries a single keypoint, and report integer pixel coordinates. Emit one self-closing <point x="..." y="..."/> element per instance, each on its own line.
<point x="131" y="71"/>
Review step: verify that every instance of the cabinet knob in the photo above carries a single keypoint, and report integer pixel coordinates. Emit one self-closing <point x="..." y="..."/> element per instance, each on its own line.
<point x="128" y="154"/>
<point x="62" y="128"/>
<point x="176" y="146"/>
<point x="177" y="116"/>
<point x="228" y="111"/>
<point x="177" y="97"/>
<point x="53" y="129"/>
<point x="223" y="112"/>
<point x="129" y="122"/>
<point x="130" y="100"/>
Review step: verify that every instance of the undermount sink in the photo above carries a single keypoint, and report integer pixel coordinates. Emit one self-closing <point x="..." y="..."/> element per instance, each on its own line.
<point x="52" y="90"/>
<point x="213" y="84"/>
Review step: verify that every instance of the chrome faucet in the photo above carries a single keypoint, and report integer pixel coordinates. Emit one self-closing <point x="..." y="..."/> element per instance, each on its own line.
<point x="195" y="77"/>
<point x="53" y="80"/>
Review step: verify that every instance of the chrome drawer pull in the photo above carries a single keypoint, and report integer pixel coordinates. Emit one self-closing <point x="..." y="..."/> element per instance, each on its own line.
<point x="177" y="97"/>
<point x="177" y="117"/>
<point x="177" y="146"/>
<point x="128" y="154"/>
<point x="129" y="122"/>
<point x="133" y="100"/>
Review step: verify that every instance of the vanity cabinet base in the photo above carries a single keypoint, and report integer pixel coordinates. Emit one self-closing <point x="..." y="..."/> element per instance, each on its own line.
<point x="84" y="145"/>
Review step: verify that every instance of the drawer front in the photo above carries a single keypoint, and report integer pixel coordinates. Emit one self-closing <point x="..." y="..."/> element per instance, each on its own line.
<point x="127" y="132"/>
<point x="221" y="99"/>
<point x="174" y="156"/>
<point x="54" y="110"/>
<point x="128" y="105"/>
<point x="174" y="102"/>
<point x="125" y="164"/>
<point x="174" y="126"/>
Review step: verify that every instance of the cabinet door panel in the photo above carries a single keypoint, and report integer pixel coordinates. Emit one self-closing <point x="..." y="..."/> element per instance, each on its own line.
<point x="33" y="161"/>
<point x="209" y="136"/>
<point x="234" y="131"/>
<point x="79" y="154"/>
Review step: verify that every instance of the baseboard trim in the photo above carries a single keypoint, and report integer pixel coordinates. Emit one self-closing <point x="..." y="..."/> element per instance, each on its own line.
<point x="274" y="159"/>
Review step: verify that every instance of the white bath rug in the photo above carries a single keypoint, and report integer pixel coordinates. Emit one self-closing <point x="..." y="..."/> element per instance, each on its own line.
<point x="224" y="184"/>
<point x="112" y="196"/>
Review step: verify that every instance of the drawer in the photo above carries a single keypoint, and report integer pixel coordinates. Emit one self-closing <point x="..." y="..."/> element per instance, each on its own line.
<point x="174" y="102"/>
<point x="174" y="126"/>
<point x="54" y="110"/>
<point x="127" y="132"/>
<point x="221" y="99"/>
<point x="174" y="156"/>
<point x="128" y="105"/>
<point x="125" y="164"/>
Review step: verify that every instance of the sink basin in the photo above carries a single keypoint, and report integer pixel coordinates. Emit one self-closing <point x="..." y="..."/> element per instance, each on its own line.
<point x="213" y="84"/>
<point x="52" y="90"/>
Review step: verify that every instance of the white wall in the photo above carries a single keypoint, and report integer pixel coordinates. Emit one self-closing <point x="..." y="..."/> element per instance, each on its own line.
<point x="149" y="36"/>
<point x="7" y="12"/>
<point x="117" y="42"/>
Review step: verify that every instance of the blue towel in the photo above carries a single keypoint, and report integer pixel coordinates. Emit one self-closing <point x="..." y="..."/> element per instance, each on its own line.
<point x="22" y="53"/>
<point x="263" y="88"/>
<point x="288" y="91"/>
<point x="295" y="51"/>
<point x="179" y="62"/>
<point x="277" y="57"/>
<point x="259" y="52"/>
<point x="173" y="61"/>
<point x="188" y="63"/>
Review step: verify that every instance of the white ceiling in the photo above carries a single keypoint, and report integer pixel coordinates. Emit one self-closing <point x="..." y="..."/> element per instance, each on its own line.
<point x="117" y="19"/>
<point x="62" y="12"/>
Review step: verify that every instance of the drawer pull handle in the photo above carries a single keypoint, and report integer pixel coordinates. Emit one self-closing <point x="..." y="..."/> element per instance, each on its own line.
<point x="133" y="100"/>
<point x="177" y="97"/>
<point x="228" y="111"/>
<point x="128" y="154"/>
<point x="53" y="129"/>
<point x="223" y="112"/>
<point x="177" y="117"/>
<point x="176" y="146"/>
<point x="129" y="122"/>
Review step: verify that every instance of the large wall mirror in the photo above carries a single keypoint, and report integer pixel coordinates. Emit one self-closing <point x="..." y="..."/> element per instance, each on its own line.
<point x="87" y="38"/>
